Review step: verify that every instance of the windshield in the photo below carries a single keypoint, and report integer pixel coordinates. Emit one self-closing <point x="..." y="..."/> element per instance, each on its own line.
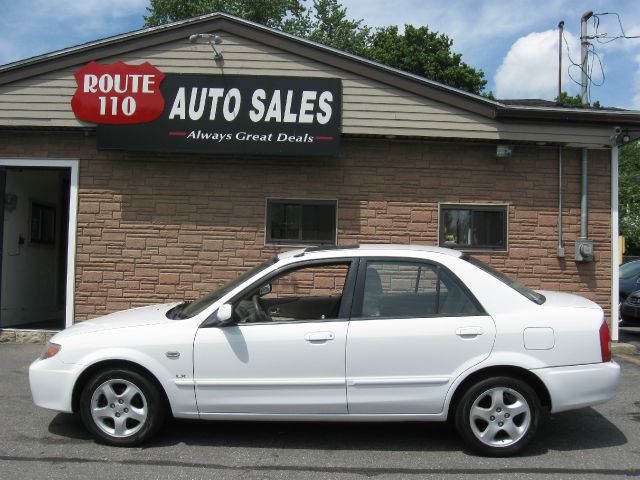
<point x="629" y="270"/>
<point x="189" y="309"/>
<point x="516" y="285"/>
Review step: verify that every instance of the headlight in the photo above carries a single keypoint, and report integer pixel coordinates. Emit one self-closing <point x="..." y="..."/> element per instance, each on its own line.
<point x="50" y="350"/>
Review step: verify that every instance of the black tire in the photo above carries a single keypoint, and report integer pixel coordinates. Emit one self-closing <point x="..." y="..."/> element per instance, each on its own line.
<point x="506" y="412"/>
<point x="126" y="397"/>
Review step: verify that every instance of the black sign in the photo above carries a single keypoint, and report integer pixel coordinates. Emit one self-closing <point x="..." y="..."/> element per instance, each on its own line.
<point x="238" y="114"/>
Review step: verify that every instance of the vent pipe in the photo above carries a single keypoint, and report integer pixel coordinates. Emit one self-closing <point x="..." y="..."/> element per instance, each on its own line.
<point x="560" y="31"/>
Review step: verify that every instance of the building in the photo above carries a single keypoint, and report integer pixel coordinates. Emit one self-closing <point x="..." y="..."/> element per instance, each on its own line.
<point x="121" y="187"/>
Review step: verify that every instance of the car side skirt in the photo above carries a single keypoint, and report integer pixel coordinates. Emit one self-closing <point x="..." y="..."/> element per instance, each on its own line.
<point x="405" y="417"/>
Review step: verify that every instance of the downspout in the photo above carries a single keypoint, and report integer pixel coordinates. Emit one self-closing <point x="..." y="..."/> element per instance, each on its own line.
<point x="560" y="251"/>
<point x="615" y="246"/>
<point x="584" y="212"/>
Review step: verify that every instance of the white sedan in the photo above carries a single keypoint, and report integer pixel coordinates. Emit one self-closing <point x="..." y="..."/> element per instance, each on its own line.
<point x="368" y="333"/>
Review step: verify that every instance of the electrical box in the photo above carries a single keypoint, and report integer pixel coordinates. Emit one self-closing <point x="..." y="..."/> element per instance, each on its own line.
<point x="584" y="250"/>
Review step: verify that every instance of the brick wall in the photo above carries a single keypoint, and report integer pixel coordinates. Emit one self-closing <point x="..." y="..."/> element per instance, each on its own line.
<point x="156" y="228"/>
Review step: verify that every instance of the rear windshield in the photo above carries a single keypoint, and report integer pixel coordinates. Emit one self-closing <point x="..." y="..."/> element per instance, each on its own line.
<point x="629" y="270"/>
<point x="516" y="285"/>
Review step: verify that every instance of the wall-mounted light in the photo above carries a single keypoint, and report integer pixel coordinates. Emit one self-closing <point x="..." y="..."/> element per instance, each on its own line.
<point x="213" y="39"/>
<point x="504" y="151"/>
<point x="620" y="136"/>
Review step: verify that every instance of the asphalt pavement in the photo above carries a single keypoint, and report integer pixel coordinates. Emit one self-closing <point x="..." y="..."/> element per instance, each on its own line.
<point x="599" y="442"/>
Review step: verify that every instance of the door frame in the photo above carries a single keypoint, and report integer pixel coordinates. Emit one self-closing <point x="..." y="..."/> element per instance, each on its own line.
<point x="73" y="165"/>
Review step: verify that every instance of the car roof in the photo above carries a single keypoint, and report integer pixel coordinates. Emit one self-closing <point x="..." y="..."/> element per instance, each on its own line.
<point x="368" y="249"/>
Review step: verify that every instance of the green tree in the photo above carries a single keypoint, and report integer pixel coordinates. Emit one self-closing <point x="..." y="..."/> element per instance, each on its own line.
<point x="565" y="99"/>
<point x="629" y="195"/>
<point x="271" y="13"/>
<point x="417" y="50"/>
<point x="424" y="53"/>
<point x="327" y="23"/>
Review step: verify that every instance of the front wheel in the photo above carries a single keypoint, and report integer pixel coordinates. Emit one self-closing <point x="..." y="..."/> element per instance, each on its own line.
<point x="498" y="416"/>
<point x="121" y="407"/>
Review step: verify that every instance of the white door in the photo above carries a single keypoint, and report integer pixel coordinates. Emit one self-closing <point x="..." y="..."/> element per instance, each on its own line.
<point x="414" y="330"/>
<point x="286" y="354"/>
<point x="271" y="368"/>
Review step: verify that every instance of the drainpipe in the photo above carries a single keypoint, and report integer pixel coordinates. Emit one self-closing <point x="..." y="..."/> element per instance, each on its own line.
<point x="615" y="246"/>
<point x="584" y="212"/>
<point x="560" y="252"/>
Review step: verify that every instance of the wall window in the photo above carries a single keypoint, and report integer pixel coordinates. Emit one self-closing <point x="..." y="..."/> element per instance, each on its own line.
<point x="473" y="227"/>
<point x="43" y="224"/>
<point x="301" y="221"/>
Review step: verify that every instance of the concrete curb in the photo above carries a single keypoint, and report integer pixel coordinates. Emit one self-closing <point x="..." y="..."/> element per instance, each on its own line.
<point x="624" y="348"/>
<point x="16" y="335"/>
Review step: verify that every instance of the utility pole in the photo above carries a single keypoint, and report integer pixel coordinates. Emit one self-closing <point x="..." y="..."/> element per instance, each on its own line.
<point x="584" y="49"/>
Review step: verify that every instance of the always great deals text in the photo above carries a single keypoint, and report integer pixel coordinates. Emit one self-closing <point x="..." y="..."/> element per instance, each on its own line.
<point x="221" y="137"/>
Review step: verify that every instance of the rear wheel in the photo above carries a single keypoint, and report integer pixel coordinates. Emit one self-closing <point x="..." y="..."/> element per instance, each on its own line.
<point x="498" y="416"/>
<point x="121" y="407"/>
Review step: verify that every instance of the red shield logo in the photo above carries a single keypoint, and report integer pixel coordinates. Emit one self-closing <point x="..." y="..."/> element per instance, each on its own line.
<point x="118" y="93"/>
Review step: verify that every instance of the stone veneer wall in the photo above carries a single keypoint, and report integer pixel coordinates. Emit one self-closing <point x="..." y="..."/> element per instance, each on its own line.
<point x="161" y="227"/>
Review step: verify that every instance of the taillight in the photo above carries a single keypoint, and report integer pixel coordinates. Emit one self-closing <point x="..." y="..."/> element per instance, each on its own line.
<point x="605" y="342"/>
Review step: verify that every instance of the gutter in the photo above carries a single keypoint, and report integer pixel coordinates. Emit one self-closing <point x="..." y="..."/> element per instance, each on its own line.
<point x="629" y="117"/>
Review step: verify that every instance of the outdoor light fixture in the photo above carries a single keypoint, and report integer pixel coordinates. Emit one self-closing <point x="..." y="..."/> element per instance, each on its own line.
<point x="620" y="136"/>
<point x="504" y="151"/>
<point x="213" y="39"/>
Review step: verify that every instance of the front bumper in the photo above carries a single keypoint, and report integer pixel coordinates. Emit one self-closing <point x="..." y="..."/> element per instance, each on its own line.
<point x="51" y="383"/>
<point x="630" y="312"/>
<point x="580" y="386"/>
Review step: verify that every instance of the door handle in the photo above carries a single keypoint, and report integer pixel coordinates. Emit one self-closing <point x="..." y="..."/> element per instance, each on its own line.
<point x="319" y="336"/>
<point x="469" y="331"/>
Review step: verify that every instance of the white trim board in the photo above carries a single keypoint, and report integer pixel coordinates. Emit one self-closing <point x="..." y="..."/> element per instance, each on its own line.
<point x="74" y="166"/>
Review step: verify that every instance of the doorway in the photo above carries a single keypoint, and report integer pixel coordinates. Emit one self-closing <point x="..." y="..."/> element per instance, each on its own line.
<point x="39" y="203"/>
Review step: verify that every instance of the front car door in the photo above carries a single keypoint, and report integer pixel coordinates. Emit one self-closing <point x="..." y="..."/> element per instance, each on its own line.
<point x="286" y="352"/>
<point x="414" y="328"/>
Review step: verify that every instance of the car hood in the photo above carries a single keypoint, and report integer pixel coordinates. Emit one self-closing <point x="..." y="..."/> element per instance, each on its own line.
<point x="134" y="317"/>
<point x="560" y="299"/>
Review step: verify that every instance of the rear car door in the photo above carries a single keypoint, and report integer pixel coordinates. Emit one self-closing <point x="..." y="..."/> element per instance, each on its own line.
<point x="414" y="328"/>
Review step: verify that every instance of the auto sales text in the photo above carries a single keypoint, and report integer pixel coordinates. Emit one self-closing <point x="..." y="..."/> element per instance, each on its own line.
<point x="306" y="107"/>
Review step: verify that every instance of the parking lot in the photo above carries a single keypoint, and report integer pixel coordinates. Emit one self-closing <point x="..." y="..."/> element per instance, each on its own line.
<point x="590" y="443"/>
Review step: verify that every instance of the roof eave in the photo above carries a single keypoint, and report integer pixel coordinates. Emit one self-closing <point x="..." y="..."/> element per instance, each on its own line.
<point x="601" y="117"/>
<point x="120" y="44"/>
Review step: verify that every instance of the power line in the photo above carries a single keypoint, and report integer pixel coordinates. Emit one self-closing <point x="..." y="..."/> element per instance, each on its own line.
<point x="609" y="38"/>
<point x="573" y="64"/>
<point x="602" y="38"/>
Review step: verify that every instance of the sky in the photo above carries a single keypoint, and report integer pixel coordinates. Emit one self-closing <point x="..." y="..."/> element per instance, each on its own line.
<point x="515" y="42"/>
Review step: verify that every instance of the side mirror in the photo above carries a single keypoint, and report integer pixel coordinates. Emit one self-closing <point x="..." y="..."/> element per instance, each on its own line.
<point x="265" y="289"/>
<point x="224" y="315"/>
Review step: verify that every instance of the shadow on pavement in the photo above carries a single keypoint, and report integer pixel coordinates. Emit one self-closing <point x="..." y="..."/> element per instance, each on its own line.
<point x="571" y="431"/>
<point x="68" y="425"/>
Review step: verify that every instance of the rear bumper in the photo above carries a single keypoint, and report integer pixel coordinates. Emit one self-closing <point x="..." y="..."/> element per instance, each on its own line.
<point x="51" y="383"/>
<point x="580" y="385"/>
